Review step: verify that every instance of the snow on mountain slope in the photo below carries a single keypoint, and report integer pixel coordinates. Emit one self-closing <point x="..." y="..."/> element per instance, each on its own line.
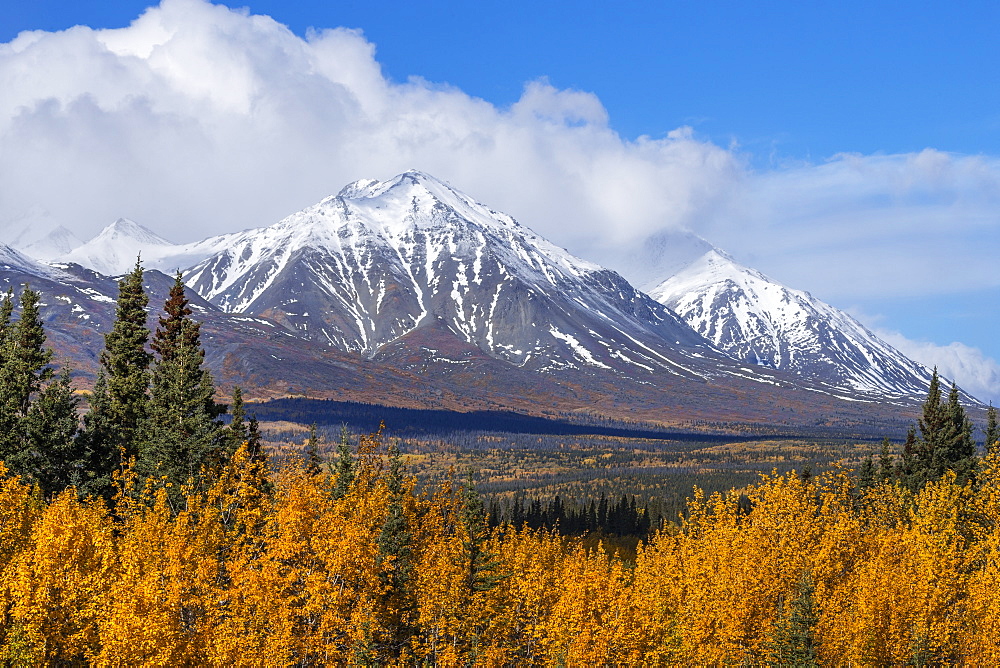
<point x="14" y="260"/>
<point x="55" y="243"/>
<point x="113" y="252"/>
<point x="760" y="321"/>
<point x="365" y="267"/>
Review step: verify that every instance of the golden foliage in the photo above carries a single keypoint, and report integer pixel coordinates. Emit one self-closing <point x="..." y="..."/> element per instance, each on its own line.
<point x="256" y="571"/>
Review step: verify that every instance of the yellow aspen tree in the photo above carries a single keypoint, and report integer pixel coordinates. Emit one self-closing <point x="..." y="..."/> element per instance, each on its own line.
<point x="57" y="585"/>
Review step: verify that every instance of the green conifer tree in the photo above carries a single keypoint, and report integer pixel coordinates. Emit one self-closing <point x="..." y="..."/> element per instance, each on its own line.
<point x="181" y="433"/>
<point x="254" y="448"/>
<point x="345" y="467"/>
<point x="793" y="642"/>
<point x="57" y="456"/>
<point x="395" y="558"/>
<point x="96" y="439"/>
<point x="992" y="430"/>
<point x="119" y="403"/>
<point x="958" y="447"/>
<point x="866" y="473"/>
<point x="931" y="424"/>
<point x="482" y="566"/>
<point x="313" y="460"/>
<point x="24" y="370"/>
<point x="885" y="468"/>
<point x="237" y="431"/>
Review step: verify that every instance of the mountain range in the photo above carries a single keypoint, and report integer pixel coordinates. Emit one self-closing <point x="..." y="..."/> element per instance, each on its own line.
<point x="410" y="292"/>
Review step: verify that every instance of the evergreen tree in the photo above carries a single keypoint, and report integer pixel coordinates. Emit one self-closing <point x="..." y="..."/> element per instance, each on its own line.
<point x="793" y="642"/>
<point x="237" y="432"/>
<point x="958" y="448"/>
<point x="481" y="572"/>
<point x="102" y="460"/>
<point x="344" y="470"/>
<point x="254" y="448"/>
<point x="885" y="462"/>
<point x="992" y="430"/>
<point x="866" y="474"/>
<point x="181" y="433"/>
<point x="24" y="370"/>
<point x="395" y="556"/>
<point x="8" y="417"/>
<point x="313" y="460"/>
<point x="906" y="466"/>
<point x="119" y="404"/>
<point x="945" y="441"/>
<point x="932" y="424"/>
<point x="395" y="537"/>
<point x="26" y="357"/>
<point x="57" y="457"/>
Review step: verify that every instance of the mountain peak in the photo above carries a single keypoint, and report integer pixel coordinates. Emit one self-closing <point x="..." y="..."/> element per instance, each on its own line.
<point x="761" y="321"/>
<point x="362" y="270"/>
<point x="113" y="252"/>
<point x="125" y="228"/>
<point x="373" y="188"/>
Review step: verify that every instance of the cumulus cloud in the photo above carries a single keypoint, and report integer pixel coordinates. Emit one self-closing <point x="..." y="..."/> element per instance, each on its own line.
<point x="975" y="372"/>
<point x="199" y="119"/>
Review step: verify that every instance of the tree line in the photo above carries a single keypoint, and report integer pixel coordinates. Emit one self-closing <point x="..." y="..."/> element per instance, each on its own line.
<point x="941" y="441"/>
<point x="621" y="517"/>
<point x="151" y="412"/>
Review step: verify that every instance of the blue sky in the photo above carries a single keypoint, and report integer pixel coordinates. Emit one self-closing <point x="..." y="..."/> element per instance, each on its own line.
<point x="749" y="110"/>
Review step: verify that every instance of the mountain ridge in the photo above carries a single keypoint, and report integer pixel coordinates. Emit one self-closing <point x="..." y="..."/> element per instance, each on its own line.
<point x="758" y="320"/>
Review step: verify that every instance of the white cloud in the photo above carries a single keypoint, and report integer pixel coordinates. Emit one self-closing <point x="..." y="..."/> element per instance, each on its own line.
<point x="862" y="226"/>
<point x="198" y="119"/>
<point x="975" y="372"/>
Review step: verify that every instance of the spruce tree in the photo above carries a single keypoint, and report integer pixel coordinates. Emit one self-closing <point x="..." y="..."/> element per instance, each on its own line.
<point x="181" y="433"/>
<point x="27" y="358"/>
<point x="344" y="468"/>
<point x="395" y="557"/>
<point x="254" y="448"/>
<point x="992" y="431"/>
<point x="237" y="431"/>
<point x="119" y="403"/>
<point x="102" y="460"/>
<point x="57" y="456"/>
<point x="793" y="642"/>
<point x="958" y="448"/>
<point x="24" y="369"/>
<point x="945" y="442"/>
<point x="932" y="425"/>
<point x="481" y="566"/>
<point x="885" y="462"/>
<point x="313" y="460"/>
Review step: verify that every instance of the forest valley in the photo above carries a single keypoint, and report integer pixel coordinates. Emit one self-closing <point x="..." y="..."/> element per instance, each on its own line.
<point x="154" y="533"/>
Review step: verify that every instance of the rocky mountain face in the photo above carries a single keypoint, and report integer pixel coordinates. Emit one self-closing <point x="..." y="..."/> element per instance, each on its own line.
<point x="761" y="322"/>
<point x="363" y="269"/>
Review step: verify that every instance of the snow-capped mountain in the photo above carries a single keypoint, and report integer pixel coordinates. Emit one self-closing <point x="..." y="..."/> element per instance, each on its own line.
<point x="55" y="243"/>
<point x="366" y="267"/>
<point x="113" y="252"/>
<point x="758" y="320"/>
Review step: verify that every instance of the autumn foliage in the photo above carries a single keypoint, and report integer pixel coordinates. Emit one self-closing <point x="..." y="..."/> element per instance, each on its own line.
<point x="287" y="569"/>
